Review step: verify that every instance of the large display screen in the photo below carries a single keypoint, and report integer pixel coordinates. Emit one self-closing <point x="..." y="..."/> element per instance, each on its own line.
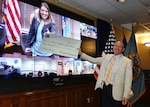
<point x="14" y="63"/>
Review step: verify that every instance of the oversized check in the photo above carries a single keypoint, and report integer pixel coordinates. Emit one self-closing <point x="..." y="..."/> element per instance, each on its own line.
<point x="60" y="45"/>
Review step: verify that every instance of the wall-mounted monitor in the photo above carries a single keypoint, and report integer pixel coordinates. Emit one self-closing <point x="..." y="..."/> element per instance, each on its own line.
<point x="88" y="30"/>
<point x="14" y="63"/>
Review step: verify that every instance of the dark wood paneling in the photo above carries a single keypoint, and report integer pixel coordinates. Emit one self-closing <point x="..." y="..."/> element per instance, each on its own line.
<point x="82" y="95"/>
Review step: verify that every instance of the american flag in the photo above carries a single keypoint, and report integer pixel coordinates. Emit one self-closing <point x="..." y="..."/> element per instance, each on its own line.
<point x="12" y="21"/>
<point x="108" y="48"/>
<point x="110" y="42"/>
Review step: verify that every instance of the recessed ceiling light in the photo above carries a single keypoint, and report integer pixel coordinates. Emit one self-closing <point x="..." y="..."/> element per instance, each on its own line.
<point x="121" y="1"/>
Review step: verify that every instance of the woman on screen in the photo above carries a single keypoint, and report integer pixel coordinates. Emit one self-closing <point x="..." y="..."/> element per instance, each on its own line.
<point x="40" y="25"/>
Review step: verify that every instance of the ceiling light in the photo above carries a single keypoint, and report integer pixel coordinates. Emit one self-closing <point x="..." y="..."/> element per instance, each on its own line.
<point x="121" y="1"/>
<point x="147" y="44"/>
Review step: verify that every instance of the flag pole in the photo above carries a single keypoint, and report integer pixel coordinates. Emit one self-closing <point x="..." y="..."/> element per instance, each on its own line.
<point x="111" y="23"/>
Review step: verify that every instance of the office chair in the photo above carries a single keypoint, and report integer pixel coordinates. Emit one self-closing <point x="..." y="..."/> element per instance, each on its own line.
<point x="2" y="38"/>
<point x="23" y="41"/>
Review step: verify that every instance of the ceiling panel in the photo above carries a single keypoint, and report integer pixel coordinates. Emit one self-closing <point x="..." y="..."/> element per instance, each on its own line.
<point x="83" y="2"/>
<point x="120" y="13"/>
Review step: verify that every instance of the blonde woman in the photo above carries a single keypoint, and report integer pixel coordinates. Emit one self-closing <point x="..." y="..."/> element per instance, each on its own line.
<point x="41" y="24"/>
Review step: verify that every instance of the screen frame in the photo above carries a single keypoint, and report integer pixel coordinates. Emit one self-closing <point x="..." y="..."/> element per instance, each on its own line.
<point x="65" y="13"/>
